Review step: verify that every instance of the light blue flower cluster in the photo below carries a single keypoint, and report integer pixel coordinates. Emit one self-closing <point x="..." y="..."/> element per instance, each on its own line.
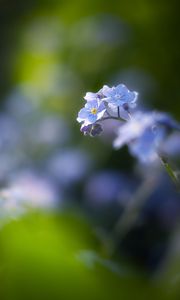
<point x="107" y="103"/>
<point x="144" y="133"/>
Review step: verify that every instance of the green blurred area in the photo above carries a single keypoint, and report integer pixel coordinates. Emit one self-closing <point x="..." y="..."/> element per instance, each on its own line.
<point x="46" y="256"/>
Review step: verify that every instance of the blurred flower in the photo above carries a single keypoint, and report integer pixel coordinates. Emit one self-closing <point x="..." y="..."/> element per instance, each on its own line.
<point x="19" y="103"/>
<point x="9" y="206"/>
<point x="144" y="134"/>
<point x="33" y="190"/>
<point x="50" y="131"/>
<point x="10" y="134"/>
<point x="26" y="191"/>
<point x="69" y="166"/>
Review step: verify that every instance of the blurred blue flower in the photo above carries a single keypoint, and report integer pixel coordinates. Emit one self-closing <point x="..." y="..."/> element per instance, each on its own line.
<point x="120" y="96"/>
<point x="144" y="134"/>
<point x="92" y="112"/>
<point x="34" y="190"/>
<point x="26" y="191"/>
<point x="69" y="166"/>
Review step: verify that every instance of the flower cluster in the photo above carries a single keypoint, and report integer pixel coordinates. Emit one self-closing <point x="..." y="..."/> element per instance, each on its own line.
<point x="144" y="133"/>
<point x="107" y="103"/>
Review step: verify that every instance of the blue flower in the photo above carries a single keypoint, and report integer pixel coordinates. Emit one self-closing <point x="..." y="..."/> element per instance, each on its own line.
<point x="120" y="96"/>
<point x="92" y="112"/>
<point x="143" y="135"/>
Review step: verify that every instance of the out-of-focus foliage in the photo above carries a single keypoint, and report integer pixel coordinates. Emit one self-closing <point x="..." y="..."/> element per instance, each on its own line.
<point x="45" y="255"/>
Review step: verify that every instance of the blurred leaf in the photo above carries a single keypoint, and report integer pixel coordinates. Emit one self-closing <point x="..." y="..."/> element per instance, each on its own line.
<point x="40" y="259"/>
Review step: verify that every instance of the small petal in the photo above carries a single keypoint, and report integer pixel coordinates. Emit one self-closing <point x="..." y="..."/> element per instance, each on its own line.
<point x="86" y="129"/>
<point x="105" y="90"/>
<point x="92" y="118"/>
<point x="91" y="104"/>
<point x="90" y="96"/>
<point x="82" y="115"/>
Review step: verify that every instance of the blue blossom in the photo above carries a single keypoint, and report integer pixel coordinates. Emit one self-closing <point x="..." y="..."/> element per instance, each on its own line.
<point x="143" y="135"/>
<point x="79" y="163"/>
<point x="92" y="112"/>
<point x="120" y="96"/>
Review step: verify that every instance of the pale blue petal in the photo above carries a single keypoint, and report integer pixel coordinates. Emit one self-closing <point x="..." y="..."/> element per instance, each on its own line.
<point x="90" y="96"/>
<point x="91" y="104"/>
<point x="92" y="118"/>
<point x="83" y="114"/>
<point x="101" y="107"/>
<point x="106" y="90"/>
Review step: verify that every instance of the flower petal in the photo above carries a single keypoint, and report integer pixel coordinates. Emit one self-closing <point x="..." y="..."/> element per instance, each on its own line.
<point x="90" y="96"/>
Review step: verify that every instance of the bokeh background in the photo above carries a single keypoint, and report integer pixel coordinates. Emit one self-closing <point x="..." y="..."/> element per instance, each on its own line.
<point x="61" y="193"/>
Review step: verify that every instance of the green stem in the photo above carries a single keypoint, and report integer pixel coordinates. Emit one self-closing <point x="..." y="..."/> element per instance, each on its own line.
<point x="170" y="171"/>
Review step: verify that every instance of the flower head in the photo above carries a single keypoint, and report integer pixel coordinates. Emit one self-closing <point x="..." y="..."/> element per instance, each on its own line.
<point x="119" y="96"/>
<point x="143" y="135"/>
<point x="92" y="112"/>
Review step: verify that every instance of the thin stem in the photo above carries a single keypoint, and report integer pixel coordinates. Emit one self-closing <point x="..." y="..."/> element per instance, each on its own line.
<point x="134" y="205"/>
<point x="113" y="118"/>
<point x="170" y="171"/>
<point x="131" y="212"/>
<point x="118" y="110"/>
